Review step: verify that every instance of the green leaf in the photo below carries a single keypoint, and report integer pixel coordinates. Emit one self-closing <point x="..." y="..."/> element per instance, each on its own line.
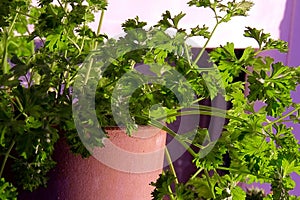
<point x="31" y="122"/>
<point x="247" y="56"/>
<point x="289" y="167"/>
<point x="7" y="190"/>
<point x="243" y="7"/>
<point x="264" y="41"/>
<point x="200" y="31"/>
<point x="52" y="41"/>
<point x="132" y="24"/>
<point x="256" y="34"/>
<point x="200" y="3"/>
<point x="177" y="18"/>
<point x="201" y="187"/>
<point x="280" y="45"/>
<point x="238" y="193"/>
<point x="170" y="22"/>
<point x="162" y="185"/>
<point x="98" y="4"/>
<point x="157" y="111"/>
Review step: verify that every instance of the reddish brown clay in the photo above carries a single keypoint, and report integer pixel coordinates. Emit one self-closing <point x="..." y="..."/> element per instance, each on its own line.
<point x="75" y="178"/>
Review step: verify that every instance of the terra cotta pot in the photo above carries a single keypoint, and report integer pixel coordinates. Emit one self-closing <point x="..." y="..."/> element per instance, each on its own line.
<point x="123" y="169"/>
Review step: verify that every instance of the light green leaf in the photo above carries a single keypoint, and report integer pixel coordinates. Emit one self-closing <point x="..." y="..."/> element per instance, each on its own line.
<point x="238" y="193"/>
<point x="290" y="167"/>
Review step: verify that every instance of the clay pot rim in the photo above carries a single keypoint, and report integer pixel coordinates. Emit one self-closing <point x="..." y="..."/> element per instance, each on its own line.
<point x="140" y="127"/>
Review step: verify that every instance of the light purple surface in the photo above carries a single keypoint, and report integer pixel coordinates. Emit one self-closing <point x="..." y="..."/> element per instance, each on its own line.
<point x="290" y="31"/>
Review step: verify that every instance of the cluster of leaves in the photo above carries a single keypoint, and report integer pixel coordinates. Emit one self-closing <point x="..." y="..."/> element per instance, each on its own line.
<point x="224" y="12"/>
<point x="36" y="95"/>
<point x="146" y="69"/>
<point x="7" y="190"/>
<point x="38" y="66"/>
<point x="261" y="147"/>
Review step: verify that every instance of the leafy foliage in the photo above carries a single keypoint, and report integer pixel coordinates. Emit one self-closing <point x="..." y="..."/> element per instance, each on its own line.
<point x="264" y="41"/>
<point x="261" y="147"/>
<point x="7" y="190"/>
<point x="37" y="75"/>
<point x="37" y="71"/>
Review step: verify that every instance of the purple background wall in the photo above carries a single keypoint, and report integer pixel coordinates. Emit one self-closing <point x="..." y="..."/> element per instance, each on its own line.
<point x="290" y="31"/>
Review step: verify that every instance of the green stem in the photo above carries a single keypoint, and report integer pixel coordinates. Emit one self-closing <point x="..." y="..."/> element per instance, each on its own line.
<point x="13" y="24"/>
<point x="88" y="71"/>
<point x="100" y="22"/>
<point x="218" y="176"/>
<point x="25" y="14"/>
<point x="197" y="173"/>
<point x="203" y="110"/>
<point x="6" y="157"/>
<point x="82" y="45"/>
<point x="209" y="183"/>
<point x="187" y="54"/>
<point x="95" y="46"/>
<point x="16" y="101"/>
<point x="171" y="193"/>
<point x="283" y="117"/>
<point x="75" y="44"/>
<point x="64" y="7"/>
<point x="4" y="63"/>
<point x="174" y="135"/>
<point x="99" y="27"/>
<point x="172" y="168"/>
<point x="205" y="45"/>
<point x="6" y="34"/>
<point x="83" y="38"/>
<point x="241" y="172"/>
<point x="9" y="156"/>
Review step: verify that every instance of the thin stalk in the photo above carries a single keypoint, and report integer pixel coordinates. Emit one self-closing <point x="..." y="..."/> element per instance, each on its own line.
<point x="95" y="46"/>
<point x="208" y="108"/>
<point x="4" y="63"/>
<point x="99" y="26"/>
<point x="283" y="117"/>
<point x="16" y="101"/>
<point x="242" y="172"/>
<point x="64" y="7"/>
<point x="187" y="54"/>
<point x="172" y="168"/>
<point x="25" y="14"/>
<point x="13" y="24"/>
<point x="205" y="45"/>
<point x="209" y="183"/>
<point x="195" y="112"/>
<point x="82" y="45"/>
<point x="171" y="193"/>
<point x="214" y="112"/>
<point x="88" y="72"/>
<point x="75" y="44"/>
<point x="10" y="156"/>
<point x="83" y="38"/>
<point x="197" y="173"/>
<point x="100" y="22"/>
<point x="217" y="174"/>
<point x="6" y="157"/>
<point x="6" y="34"/>
<point x="174" y="135"/>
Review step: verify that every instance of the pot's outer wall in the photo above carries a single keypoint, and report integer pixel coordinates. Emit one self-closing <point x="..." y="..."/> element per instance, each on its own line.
<point x="75" y="178"/>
